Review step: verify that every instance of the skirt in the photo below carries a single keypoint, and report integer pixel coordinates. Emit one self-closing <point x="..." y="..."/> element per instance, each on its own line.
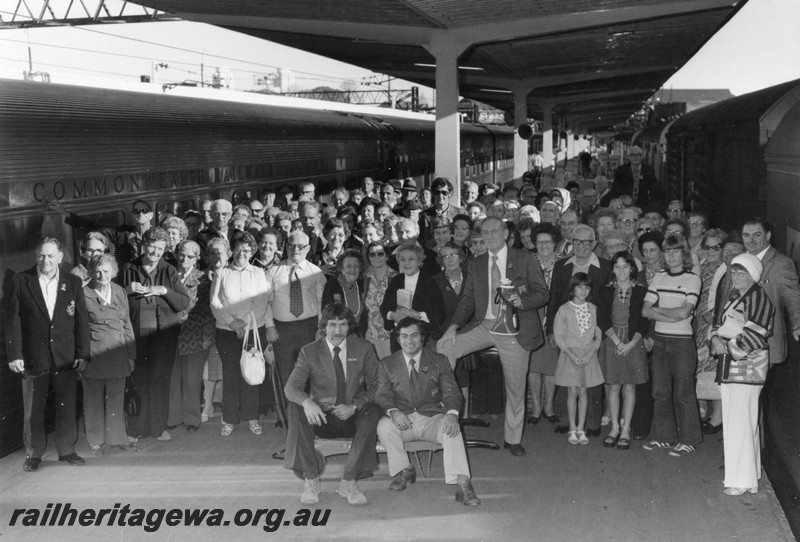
<point x="629" y="369"/>
<point x="570" y="374"/>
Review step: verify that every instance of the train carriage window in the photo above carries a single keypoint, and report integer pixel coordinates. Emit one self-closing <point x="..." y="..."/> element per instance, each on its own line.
<point x="165" y="209"/>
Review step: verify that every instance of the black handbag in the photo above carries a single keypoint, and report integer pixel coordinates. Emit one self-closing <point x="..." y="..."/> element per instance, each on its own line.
<point x="133" y="404"/>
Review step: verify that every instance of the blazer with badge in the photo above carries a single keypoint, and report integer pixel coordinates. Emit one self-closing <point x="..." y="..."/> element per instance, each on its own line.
<point x="526" y="275"/>
<point x="438" y="391"/>
<point x="30" y="333"/>
<point x="314" y="375"/>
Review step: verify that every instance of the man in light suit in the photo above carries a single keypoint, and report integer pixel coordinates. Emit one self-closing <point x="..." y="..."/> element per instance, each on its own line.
<point x="419" y="393"/>
<point x="340" y="372"/>
<point x="47" y="341"/>
<point x="779" y="280"/>
<point x="475" y="317"/>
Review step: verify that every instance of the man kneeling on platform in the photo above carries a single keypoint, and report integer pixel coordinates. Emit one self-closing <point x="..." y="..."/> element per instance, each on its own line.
<point x="418" y="392"/>
<point x="340" y="373"/>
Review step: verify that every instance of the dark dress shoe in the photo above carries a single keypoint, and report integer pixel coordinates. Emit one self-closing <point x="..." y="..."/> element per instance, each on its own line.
<point x="593" y="432"/>
<point x="562" y="429"/>
<point x="406" y="476"/>
<point x="552" y="418"/>
<point x="533" y="420"/>
<point x="515" y="449"/>
<point x="171" y="427"/>
<point x="279" y="455"/>
<point x="31" y="464"/>
<point x="72" y="459"/>
<point x="465" y="494"/>
<point x="192" y="428"/>
<point x="710" y="429"/>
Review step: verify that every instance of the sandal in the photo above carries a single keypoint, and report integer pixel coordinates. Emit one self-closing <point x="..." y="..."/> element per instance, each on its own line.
<point x="227" y="429"/>
<point x="255" y="428"/>
<point x="582" y="439"/>
<point x="623" y="443"/>
<point x="572" y="437"/>
<point x="611" y="440"/>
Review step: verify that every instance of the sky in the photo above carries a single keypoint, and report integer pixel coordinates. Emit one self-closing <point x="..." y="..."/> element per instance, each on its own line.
<point x="758" y="48"/>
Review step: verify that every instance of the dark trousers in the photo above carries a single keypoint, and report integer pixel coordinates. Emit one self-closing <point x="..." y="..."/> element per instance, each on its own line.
<point x="292" y="336"/>
<point x="239" y="399"/>
<point x="362" y="427"/>
<point x="594" y="408"/>
<point x="486" y="384"/>
<point x="676" y="416"/>
<point x="155" y="356"/>
<point x="65" y="388"/>
<point x="643" y="413"/>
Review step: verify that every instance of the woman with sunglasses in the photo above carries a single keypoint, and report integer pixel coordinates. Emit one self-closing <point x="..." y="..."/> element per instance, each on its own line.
<point x="377" y="274"/>
<point x="707" y="390"/>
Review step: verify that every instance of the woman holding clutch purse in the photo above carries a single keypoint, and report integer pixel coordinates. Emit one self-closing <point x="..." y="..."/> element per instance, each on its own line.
<point x="742" y="324"/>
<point x="412" y="293"/>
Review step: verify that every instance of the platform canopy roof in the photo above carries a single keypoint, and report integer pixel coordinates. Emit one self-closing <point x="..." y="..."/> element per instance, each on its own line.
<point x="593" y="62"/>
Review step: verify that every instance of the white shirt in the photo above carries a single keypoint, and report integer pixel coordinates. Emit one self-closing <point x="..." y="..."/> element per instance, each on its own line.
<point x="760" y="255"/>
<point x="502" y="257"/>
<point x="312" y="282"/>
<point x="49" y="288"/>
<point x="342" y="353"/>
<point x="237" y="293"/>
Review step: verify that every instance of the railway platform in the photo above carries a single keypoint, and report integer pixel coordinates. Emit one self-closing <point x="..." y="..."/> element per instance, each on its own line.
<point x="556" y="492"/>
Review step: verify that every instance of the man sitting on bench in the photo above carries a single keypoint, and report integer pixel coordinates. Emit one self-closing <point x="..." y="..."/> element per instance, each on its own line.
<point x="341" y="372"/>
<point x="418" y="392"/>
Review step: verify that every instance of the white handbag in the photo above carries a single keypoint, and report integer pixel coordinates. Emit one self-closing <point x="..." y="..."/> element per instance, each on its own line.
<point x="252" y="362"/>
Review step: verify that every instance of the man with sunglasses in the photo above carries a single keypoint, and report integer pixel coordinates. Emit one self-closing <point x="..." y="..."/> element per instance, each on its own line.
<point x="635" y="179"/>
<point x="442" y="189"/>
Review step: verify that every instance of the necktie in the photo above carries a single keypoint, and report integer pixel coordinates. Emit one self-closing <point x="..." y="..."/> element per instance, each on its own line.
<point x="414" y="380"/>
<point x="495" y="285"/>
<point x="637" y="173"/>
<point x="295" y="293"/>
<point x="341" y="383"/>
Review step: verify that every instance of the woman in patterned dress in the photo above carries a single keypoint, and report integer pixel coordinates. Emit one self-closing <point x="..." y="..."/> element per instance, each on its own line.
<point x="378" y="274"/>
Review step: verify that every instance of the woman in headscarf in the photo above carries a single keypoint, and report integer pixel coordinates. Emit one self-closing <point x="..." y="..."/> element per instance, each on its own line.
<point x="742" y="324"/>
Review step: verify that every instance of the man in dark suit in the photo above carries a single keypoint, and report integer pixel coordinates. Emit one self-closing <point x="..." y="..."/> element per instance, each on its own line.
<point x="635" y="179"/>
<point x="475" y="317"/>
<point x="598" y="269"/>
<point x="331" y="392"/>
<point x="418" y="392"/>
<point x="47" y="340"/>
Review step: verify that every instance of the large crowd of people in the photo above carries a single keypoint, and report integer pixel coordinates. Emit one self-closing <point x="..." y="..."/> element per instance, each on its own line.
<point x="605" y="307"/>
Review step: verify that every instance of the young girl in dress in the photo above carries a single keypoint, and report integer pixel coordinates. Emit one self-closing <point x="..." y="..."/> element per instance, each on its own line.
<point x="578" y="338"/>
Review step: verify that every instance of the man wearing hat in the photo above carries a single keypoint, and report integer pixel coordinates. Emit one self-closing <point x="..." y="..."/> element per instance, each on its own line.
<point x="635" y="179"/>
<point x="409" y="191"/>
<point x="779" y="280"/>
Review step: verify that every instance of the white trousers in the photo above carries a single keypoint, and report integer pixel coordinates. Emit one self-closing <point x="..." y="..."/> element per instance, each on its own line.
<point x="740" y="431"/>
<point x="428" y="428"/>
<point x="514" y="360"/>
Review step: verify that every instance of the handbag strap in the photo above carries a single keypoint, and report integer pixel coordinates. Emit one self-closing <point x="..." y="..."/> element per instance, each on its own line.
<point x="254" y="327"/>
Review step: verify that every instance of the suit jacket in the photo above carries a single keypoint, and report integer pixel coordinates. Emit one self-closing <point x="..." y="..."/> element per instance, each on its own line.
<point x="112" y="339"/>
<point x="437" y="393"/>
<point x="779" y="280"/>
<point x="636" y="322"/>
<point x="314" y="375"/>
<point x="30" y="333"/>
<point x="427" y="298"/>
<point x="526" y="274"/>
<point x="623" y="184"/>
<point x="559" y="286"/>
<point x="449" y="296"/>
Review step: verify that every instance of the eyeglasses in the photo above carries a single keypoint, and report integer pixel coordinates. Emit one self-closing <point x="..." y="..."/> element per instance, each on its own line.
<point x="582" y="242"/>
<point x="441" y="193"/>
<point x="141" y="211"/>
<point x="673" y="232"/>
<point x="643" y="230"/>
<point x="740" y="272"/>
<point x="188" y="256"/>
<point x="712" y="247"/>
<point x="693" y="223"/>
<point x="377" y="254"/>
<point x="626" y="220"/>
<point x="296" y="247"/>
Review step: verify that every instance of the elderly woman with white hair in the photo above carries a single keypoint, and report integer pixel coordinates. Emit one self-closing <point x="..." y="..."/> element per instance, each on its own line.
<point x="742" y="324"/>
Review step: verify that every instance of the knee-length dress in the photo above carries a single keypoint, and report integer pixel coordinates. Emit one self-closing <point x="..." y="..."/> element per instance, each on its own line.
<point x="575" y="328"/>
<point x="622" y="312"/>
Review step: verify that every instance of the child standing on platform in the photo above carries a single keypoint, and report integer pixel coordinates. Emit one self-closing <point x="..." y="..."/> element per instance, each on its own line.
<point x="578" y="338"/>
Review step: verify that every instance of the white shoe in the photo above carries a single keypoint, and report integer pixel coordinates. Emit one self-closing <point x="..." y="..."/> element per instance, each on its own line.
<point x="311" y="491"/>
<point x="164" y="437"/>
<point x="349" y="490"/>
